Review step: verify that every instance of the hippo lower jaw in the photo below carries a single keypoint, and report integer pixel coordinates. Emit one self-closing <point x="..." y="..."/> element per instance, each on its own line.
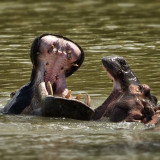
<point x="52" y="106"/>
<point x="55" y="58"/>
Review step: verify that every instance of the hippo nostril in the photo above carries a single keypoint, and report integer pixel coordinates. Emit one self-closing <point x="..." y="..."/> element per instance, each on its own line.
<point x="144" y="89"/>
<point x="47" y="63"/>
<point x="62" y="68"/>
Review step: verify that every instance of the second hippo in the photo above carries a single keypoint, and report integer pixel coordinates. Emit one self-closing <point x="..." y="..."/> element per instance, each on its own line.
<point x="129" y="101"/>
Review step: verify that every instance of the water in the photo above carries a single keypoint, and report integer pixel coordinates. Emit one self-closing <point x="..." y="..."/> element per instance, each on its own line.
<point x="124" y="27"/>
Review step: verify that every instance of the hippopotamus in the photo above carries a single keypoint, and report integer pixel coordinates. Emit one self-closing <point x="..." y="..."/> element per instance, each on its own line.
<point x="129" y="100"/>
<point x="54" y="58"/>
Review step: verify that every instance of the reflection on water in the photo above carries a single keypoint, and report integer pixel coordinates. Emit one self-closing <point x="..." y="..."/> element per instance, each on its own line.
<point x="127" y="28"/>
<point x="43" y="138"/>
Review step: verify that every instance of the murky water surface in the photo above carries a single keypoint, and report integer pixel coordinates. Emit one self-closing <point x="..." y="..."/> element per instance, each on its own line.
<point x="123" y="27"/>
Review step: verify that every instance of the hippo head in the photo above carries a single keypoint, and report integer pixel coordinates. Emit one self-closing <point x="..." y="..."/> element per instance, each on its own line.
<point x="129" y="100"/>
<point x="119" y="72"/>
<point x="54" y="58"/>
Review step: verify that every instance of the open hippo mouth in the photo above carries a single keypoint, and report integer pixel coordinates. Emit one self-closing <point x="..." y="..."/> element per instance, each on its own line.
<point x="54" y="58"/>
<point x="62" y="107"/>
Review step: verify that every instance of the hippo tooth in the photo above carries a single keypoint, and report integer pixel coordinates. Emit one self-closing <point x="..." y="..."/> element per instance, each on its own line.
<point x="42" y="90"/>
<point x="68" y="94"/>
<point x="69" y="51"/>
<point x="60" y="52"/>
<point x="52" y="46"/>
<point x="87" y="100"/>
<point x="50" y="90"/>
<point x="137" y="121"/>
<point x="78" y="96"/>
<point x="75" y="65"/>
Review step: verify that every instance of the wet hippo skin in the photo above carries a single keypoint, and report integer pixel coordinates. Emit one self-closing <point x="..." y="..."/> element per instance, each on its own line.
<point x="129" y="101"/>
<point x="54" y="58"/>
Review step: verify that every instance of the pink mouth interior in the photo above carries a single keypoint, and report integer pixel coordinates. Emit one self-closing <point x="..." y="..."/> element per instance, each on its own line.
<point x="55" y="57"/>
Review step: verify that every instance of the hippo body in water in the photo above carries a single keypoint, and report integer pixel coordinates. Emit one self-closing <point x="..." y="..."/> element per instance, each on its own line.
<point x="54" y="58"/>
<point x="129" y="101"/>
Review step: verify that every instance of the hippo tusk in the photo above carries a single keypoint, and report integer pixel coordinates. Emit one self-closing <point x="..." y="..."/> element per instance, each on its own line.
<point x="75" y="65"/>
<point x="68" y="94"/>
<point x="87" y="100"/>
<point x="42" y="90"/>
<point x="78" y="97"/>
<point x="50" y="90"/>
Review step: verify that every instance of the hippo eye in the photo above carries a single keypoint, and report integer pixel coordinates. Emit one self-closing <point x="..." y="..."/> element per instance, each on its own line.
<point x="122" y="62"/>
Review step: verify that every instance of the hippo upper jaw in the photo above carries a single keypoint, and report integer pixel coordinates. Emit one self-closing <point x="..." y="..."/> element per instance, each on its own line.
<point x="51" y="106"/>
<point x="55" y="57"/>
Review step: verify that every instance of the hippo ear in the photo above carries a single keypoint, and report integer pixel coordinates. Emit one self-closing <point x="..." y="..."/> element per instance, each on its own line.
<point x="35" y="49"/>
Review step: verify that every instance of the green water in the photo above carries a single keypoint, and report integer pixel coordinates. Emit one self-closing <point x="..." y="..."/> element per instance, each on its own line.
<point x="103" y="27"/>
